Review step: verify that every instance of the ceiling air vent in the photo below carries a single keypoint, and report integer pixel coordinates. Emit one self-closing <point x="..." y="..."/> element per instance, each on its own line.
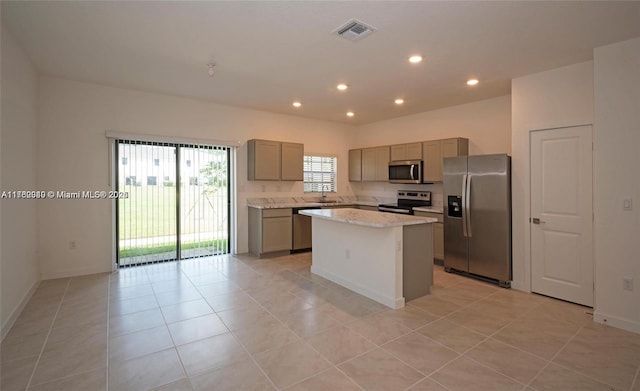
<point x="354" y="30"/>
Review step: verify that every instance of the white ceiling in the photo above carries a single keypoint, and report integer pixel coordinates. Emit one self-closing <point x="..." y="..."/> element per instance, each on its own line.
<point x="271" y="53"/>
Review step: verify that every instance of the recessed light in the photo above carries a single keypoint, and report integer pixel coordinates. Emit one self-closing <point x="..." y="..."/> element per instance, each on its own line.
<point x="416" y="58"/>
<point x="342" y="86"/>
<point x="472" y="82"/>
<point x="350" y="114"/>
<point x="297" y="104"/>
<point x="399" y="101"/>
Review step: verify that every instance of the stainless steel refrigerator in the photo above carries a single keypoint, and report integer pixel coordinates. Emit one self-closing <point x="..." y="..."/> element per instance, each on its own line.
<point x="477" y="216"/>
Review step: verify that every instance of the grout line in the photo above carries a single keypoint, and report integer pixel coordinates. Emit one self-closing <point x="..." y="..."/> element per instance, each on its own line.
<point x="636" y="379"/>
<point x="301" y="339"/>
<point x="166" y="325"/>
<point x="234" y="337"/>
<point x="555" y="355"/>
<point x="48" y="334"/>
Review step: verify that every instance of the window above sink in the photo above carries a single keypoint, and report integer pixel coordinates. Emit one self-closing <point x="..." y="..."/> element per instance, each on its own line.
<point x="320" y="174"/>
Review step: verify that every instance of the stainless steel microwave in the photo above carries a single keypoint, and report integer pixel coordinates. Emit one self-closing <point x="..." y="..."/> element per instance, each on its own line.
<point x="406" y="171"/>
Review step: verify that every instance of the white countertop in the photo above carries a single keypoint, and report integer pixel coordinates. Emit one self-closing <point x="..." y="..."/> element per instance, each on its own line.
<point x="302" y="204"/>
<point x="367" y="217"/>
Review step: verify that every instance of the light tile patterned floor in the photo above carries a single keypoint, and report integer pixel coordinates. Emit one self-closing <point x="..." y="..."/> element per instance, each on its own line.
<point x="241" y="323"/>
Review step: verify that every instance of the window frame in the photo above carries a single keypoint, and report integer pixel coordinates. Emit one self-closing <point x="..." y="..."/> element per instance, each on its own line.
<point x="334" y="173"/>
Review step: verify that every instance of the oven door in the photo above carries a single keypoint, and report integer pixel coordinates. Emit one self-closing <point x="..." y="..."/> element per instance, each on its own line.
<point x="408" y="171"/>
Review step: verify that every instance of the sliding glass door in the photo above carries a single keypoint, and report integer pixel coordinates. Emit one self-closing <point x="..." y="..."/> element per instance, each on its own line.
<point x="178" y="204"/>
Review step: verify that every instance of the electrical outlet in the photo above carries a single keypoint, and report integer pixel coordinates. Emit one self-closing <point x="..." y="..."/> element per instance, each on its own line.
<point x="72" y="245"/>
<point x="627" y="204"/>
<point x="627" y="283"/>
<point x="264" y="188"/>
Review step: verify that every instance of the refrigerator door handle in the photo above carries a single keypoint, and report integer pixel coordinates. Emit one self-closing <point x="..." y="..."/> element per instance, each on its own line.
<point x="464" y="205"/>
<point x="468" y="205"/>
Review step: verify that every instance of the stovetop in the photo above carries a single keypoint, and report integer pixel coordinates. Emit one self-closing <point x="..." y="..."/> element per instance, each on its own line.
<point x="407" y="200"/>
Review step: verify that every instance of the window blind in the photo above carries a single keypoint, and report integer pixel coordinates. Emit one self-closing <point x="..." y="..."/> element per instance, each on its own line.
<point x="320" y="174"/>
<point x="178" y="201"/>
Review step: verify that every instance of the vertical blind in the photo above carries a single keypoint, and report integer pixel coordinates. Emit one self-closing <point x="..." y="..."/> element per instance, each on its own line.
<point x="320" y="173"/>
<point x="178" y="201"/>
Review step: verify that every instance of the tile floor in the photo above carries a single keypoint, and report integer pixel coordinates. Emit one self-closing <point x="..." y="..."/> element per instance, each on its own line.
<point x="241" y="323"/>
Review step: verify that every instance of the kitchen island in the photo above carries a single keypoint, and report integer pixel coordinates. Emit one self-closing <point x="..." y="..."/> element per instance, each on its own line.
<point x="386" y="257"/>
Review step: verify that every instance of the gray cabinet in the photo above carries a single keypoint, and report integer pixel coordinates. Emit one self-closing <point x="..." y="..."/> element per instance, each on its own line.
<point x="274" y="161"/>
<point x="412" y="151"/>
<point x="355" y="165"/>
<point x="375" y="164"/>
<point x="292" y="162"/>
<point x="438" y="233"/>
<point x="270" y="230"/>
<point x="434" y="151"/>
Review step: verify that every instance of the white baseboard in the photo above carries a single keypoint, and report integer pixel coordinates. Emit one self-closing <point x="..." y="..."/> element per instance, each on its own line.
<point x="519" y="286"/>
<point x="18" y="310"/>
<point x="615" y="321"/>
<point x="76" y="272"/>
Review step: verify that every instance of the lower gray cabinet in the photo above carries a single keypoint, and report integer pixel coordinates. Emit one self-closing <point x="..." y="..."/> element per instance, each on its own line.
<point x="269" y="230"/>
<point x="438" y="233"/>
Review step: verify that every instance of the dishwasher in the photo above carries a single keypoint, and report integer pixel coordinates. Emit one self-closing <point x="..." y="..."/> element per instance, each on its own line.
<point x="301" y="231"/>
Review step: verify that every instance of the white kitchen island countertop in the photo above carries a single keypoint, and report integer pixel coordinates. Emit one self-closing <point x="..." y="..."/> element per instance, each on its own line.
<point x="368" y="218"/>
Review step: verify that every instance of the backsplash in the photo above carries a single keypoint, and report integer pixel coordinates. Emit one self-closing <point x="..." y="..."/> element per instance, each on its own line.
<point x="389" y="190"/>
<point x="306" y="199"/>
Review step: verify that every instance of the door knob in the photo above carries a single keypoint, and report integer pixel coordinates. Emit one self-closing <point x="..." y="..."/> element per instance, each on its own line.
<point x="536" y="220"/>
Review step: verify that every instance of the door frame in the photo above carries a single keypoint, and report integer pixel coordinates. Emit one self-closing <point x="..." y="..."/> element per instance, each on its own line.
<point x="178" y="146"/>
<point x="527" y="204"/>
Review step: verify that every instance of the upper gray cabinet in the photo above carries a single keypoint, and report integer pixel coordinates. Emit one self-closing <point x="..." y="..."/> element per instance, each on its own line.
<point x="433" y="152"/>
<point x="274" y="161"/>
<point x="375" y="164"/>
<point x="355" y="165"/>
<point x="292" y="162"/>
<point x="412" y="151"/>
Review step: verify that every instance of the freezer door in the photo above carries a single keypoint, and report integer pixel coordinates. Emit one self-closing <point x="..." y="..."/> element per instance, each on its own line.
<point x="489" y="217"/>
<point x="455" y="243"/>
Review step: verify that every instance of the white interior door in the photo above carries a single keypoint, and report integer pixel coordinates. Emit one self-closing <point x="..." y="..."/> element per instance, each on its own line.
<point x="562" y="213"/>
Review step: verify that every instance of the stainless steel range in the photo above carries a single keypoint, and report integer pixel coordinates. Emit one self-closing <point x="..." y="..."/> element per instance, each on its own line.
<point x="407" y="200"/>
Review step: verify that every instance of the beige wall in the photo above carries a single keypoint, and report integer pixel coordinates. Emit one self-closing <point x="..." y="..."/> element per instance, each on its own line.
<point x="18" y="258"/>
<point x="552" y="99"/>
<point x="616" y="177"/>
<point x="73" y="150"/>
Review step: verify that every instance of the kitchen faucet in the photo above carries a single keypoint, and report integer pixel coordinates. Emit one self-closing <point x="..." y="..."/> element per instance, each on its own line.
<point x="322" y="189"/>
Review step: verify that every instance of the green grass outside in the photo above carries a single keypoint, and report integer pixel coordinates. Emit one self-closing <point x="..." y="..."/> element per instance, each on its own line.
<point x="149" y="212"/>
<point x="140" y="251"/>
<point x="139" y="220"/>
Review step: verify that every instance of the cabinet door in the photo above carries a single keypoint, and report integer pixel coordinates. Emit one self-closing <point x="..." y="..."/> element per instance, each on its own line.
<point x="276" y="234"/>
<point x="399" y="152"/>
<point x="355" y="165"/>
<point x="382" y="164"/>
<point x="292" y="161"/>
<point x="438" y="240"/>
<point x="450" y="147"/>
<point x="264" y="158"/>
<point x="369" y="164"/>
<point x="432" y="158"/>
<point x="414" y="151"/>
